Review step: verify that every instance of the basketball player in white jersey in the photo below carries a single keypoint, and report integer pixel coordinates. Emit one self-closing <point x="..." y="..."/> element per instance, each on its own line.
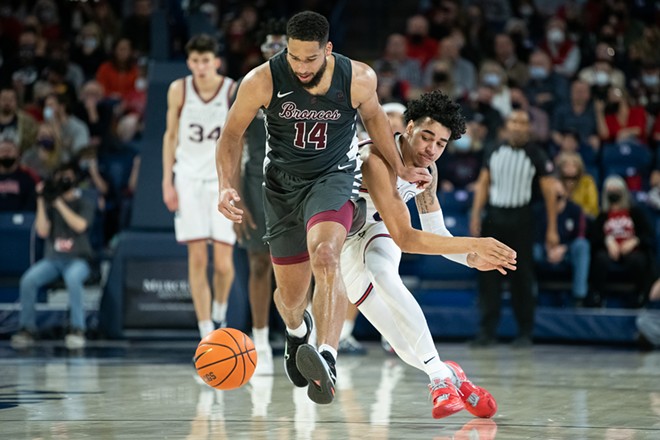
<point x="197" y="107"/>
<point x="370" y="258"/>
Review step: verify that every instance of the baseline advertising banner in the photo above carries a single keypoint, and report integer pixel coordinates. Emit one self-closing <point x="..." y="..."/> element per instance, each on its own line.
<point x="157" y="295"/>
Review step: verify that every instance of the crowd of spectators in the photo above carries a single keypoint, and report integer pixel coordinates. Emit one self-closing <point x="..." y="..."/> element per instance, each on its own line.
<point x="73" y="84"/>
<point x="588" y="75"/>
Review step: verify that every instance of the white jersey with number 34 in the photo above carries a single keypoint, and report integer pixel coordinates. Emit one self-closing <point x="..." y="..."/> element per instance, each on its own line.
<point x="200" y="124"/>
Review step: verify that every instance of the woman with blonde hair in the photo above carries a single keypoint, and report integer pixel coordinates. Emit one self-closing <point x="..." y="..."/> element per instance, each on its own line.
<point x="580" y="184"/>
<point x="622" y="242"/>
<point x="46" y="154"/>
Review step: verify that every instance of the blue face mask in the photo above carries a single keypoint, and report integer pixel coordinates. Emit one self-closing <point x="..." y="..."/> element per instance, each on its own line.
<point x="538" y="72"/>
<point x="491" y="79"/>
<point x="463" y="143"/>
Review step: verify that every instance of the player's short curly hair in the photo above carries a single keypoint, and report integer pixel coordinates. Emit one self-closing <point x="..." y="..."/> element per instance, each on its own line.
<point x="439" y="107"/>
<point x="308" y="26"/>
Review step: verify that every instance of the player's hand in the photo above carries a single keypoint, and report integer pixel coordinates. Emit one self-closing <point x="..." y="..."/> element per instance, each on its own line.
<point x="170" y="197"/>
<point x="496" y="253"/>
<point x="420" y="176"/>
<point x="476" y="262"/>
<point x="227" y="205"/>
<point x="244" y="229"/>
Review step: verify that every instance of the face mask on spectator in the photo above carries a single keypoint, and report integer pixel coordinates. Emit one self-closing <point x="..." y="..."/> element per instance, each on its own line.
<point x="49" y="113"/>
<point x="463" y="143"/>
<point x="90" y="43"/>
<point x="8" y="162"/>
<point x="492" y="79"/>
<point x="440" y="77"/>
<point x="538" y="72"/>
<point x="140" y="84"/>
<point x="416" y="39"/>
<point x="601" y="78"/>
<point x="614" y="196"/>
<point x="46" y="143"/>
<point x="556" y="35"/>
<point x="650" y="80"/>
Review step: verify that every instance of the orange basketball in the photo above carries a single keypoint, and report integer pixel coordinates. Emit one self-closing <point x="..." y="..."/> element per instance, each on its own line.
<point x="226" y="358"/>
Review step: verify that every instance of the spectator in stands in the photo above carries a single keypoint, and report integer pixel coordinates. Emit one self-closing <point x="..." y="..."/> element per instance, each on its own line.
<point x="478" y="38"/>
<point x="420" y="45"/>
<point x="54" y="75"/>
<point x="137" y="27"/>
<point x="646" y="88"/>
<point x="493" y="75"/>
<point x="95" y="112"/>
<point x="442" y="78"/>
<point x="15" y="123"/>
<point x="74" y="134"/>
<point x="505" y="55"/>
<point x="394" y="112"/>
<point x="407" y="69"/>
<point x="29" y="65"/>
<point x="390" y="88"/>
<point x="17" y="184"/>
<point x="619" y="120"/>
<point x="579" y="184"/>
<point x="477" y="107"/>
<point x="509" y="219"/>
<point x="63" y="219"/>
<point x="70" y="73"/>
<point x="538" y="118"/>
<point x="88" y="50"/>
<point x="462" y="72"/>
<point x="602" y="73"/>
<point x="578" y="116"/>
<point x="563" y="52"/>
<point x="48" y="16"/>
<point x="573" y="248"/>
<point x="118" y="75"/>
<point x="461" y="162"/>
<point x="622" y="241"/>
<point x="46" y="154"/>
<point x="546" y="88"/>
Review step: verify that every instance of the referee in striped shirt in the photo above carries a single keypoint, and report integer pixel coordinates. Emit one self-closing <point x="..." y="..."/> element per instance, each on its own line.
<point x="505" y="182"/>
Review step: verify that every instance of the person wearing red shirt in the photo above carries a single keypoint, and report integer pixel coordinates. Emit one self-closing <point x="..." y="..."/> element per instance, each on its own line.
<point x="617" y="120"/>
<point x="119" y="74"/>
<point x="622" y="242"/>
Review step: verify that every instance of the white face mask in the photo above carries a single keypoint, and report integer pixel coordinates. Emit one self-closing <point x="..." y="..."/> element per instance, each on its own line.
<point x="556" y="35"/>
<point x="49" y="113"/>
<point x="140" y="84"/>
<point x="463" y="143"/>
<point x="650" y="80"/>
<point x="601" y="78"/>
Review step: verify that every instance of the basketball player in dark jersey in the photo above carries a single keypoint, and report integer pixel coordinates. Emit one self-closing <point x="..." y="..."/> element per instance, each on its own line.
<point x="311" y="97"/>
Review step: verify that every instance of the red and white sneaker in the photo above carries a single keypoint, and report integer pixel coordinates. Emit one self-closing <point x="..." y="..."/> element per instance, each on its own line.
<point x="477" y="400"/>
<point x="446" y="399"/>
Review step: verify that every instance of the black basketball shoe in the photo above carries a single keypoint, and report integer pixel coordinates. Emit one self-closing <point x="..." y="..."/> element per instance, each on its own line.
<point x="290" y="351"/>
<point x="320" y="371"/>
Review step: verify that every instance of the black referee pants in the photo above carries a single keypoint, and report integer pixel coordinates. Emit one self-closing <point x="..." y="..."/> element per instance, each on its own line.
<point x="513" y="227"/>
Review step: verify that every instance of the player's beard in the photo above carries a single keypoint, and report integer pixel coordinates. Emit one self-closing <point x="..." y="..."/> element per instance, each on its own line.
<point x="316" y="79"/>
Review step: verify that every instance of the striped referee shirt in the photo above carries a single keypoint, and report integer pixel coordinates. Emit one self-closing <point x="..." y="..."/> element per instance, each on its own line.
<point x="512" y="174"/>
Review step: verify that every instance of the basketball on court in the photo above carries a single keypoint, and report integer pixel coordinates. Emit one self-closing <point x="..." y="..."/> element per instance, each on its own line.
<point x="225" y="359"/>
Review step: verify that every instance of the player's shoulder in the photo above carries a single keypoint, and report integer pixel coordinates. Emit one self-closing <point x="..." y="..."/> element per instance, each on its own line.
<point x="177" y="86"/>
<point x="362" y="71"/>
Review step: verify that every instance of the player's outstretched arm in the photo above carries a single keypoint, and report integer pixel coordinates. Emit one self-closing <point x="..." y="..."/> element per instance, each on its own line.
<point x="381" y="184"/>
<point x="254" y="92"/>
<point x="365" y="99"/>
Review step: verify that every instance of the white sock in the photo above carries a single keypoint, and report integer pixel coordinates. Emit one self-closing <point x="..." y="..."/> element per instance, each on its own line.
<point x="436" y="369"/>
<point x="219" y="311"/>
<point x="299" y="332"/>
<point x="329" y="349"/>
<point x="205" y="327"/>
<point x="260" y="336"/>
<point x="347" y="329"/>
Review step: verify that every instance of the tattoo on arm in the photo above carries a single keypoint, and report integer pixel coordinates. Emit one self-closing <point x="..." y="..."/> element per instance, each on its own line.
<point x="426" y="200"/>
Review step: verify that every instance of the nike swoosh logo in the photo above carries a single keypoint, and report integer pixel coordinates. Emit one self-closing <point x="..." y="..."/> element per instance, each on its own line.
<point x="282" y="95"/>
<point x="345" y="166"/>
<point x="429" y="360"/>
